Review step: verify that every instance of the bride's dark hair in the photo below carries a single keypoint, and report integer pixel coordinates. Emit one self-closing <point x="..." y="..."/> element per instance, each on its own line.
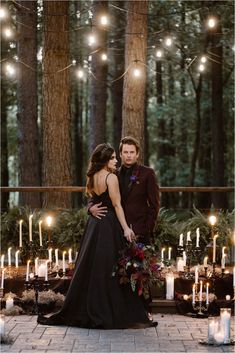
<point x="99" y="158"/>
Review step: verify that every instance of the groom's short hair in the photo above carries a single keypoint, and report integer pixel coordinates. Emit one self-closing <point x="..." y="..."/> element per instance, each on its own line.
<point x="129" y="140"/>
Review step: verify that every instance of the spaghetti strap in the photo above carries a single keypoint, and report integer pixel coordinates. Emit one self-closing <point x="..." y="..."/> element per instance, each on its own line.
<point x="106" y="179"/>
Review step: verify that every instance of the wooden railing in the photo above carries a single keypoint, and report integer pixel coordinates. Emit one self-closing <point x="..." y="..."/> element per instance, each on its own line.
<point x="82" y="189"/>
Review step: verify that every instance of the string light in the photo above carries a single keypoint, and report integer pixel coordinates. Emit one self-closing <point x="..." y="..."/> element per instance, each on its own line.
<point x="136" y="73"/>
<point x="10" y="70"/>
<point x="7" y="32"/>
<point x="104" y="20"/>
<point x="168" y="41"/>
<point x="201" y="67"/>
<point x="80" y="73"/>
<point x="104" y="57"/>
<point x="3" y="13"/>
<point x="159" y="53"/>
<point x="203" y="59"/>
<point x="91" y="40"/>
<point x="211" y="22"/>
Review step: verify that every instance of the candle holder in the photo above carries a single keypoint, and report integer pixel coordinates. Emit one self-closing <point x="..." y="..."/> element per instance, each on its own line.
<point x="9" y="271"/>
<point x="201" y="308"/>
<point x="180" y="250"/>
<point x="205" y="268"/>
<point x="31" y="251"/>
<point x="222" y="272"/>
<point x="35" y="285"/>
<point x="57" y="271"/>
<point x="64" y="275"/>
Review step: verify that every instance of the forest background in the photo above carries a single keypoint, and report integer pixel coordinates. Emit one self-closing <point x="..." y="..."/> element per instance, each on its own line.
<point x="79" y="73"/>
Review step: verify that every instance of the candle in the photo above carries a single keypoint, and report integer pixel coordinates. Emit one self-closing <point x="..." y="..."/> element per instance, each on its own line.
<point x="205" y="261"/>
<point x="180" y="265"/>
<point x="42" y="270"/>
<point x="36" y="266"/>
<point x="50" y="255"/>
<point x="207" y="293"/>
<point x="9" y="303"/>
<point x="214" y="248"/>
<point x="234" y="276"/>
<point x="213" y="326"/>
<point x="169" y="253"/>
<point x="2" y="279"/>
<point x="162" y="254"/>
<point x="223" y="251"/>
<point x="184" y="257"/>
<point x="27" y="271"/>
<point x="2" y="261"/>
<point x="188" y="237"/>
<point x="181" y="240"/>
<point x="31" y="227"/>
<point x="2" y="326"/>
<point x="193" y="298"/>
<point x="219" y="337"/>
<point x="197" y="237"/>
<point x="20" y="233"/>
<point x="70" y="256"/>
<point x="225" y="316"/>
<point x="9" y="256"/>
<point x="40" y="232"/>
<point x="223" y="261"/>
<point x="170" y="286"/>
<point x="185" y="297"/>
<point x="17" y="258"/>
<point x="227" y="297"/>
<point x="57" y="257"/>
<point x="63" y="261"/>
<point x="196" y="275"/>
<point x="200" y="293"/>
<point x="46" y="271"/>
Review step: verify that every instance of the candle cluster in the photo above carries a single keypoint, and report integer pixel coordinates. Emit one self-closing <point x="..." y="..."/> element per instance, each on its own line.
<point x="219" y="330"/>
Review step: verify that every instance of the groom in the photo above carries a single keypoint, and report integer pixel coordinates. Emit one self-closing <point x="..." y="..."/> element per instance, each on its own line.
<point x="139" y="193"/>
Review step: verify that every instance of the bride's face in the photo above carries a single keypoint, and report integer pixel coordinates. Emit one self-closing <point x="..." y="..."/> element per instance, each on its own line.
<point x="112" y="163"/>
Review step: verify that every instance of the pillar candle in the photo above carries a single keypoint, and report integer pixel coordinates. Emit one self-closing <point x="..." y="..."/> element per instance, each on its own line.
<point x="2" y="279"/>
<point x="40" y="232"/>
<point x="162" y="254"/>
<point x="36" y="266"/>
<point x="9" y="256"/>
<point x="188" y="236"/>
<point x="2" y="326"/>
<point x="41" y="270"/>
<point x="17" y="258"/>
<point x="169" y="253"/>
<point x="223" y="251"/>
<point x="184" y="257"/>
<point x="27" y="271"/>
<point x="31" y="227"/>
<point x="57" y="257"/>
<point x="181" y="243"/>
<point x="223" y="261"/>
<point x="196" y="275"/>
<point x="70" y="256"/>
<point x="2" y="261"/>
<point x="200" y="293"/>
<point x="205" y="261"/>
<point x="225" y="316"/>
<point x="180" y="265"/>
<point x="170" y="286"/>
<point x="214" y="248"/>
<point x="46" y="271"/>
<point x="9" y="303"/>
<point x="63" y="261"/>
<point x="207" y="293"/>
<point x="213" y="326"/>
<point x="197" y="237"/>
<point x="193" y="297"/>
<point x="20" y="233"/>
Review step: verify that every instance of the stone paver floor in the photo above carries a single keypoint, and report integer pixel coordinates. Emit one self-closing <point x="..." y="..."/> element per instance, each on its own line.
<point x="174" y="333"/>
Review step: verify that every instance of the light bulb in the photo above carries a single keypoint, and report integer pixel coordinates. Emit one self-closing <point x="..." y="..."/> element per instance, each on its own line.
<point x="10" y="70"/>
<point x="104" y="57"/>
<point x="3" y="13"/>
<point x="211" y="22"/>
<point x="203" y="59"/>
<point x="136" y="73"/>
<point x="168" y="41"/>
<point x="159" y="53"/>
<point x="201" y="68"/>
<point x="49" y="220"/>
<point x="80" y="73"/>
<point x="104" y="20"/>
<point x="91" y="40"/>
<point x="212" y="220"/>
<point x="7" y="32"/>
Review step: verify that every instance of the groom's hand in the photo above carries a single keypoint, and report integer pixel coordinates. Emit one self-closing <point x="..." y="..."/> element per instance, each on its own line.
<point x="98" y="211"/>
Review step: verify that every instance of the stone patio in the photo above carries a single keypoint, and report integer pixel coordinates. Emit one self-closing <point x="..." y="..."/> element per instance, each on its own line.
<point x="174" y="333"/>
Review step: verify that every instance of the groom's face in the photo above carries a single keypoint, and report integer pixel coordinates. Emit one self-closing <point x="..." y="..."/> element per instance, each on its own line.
<point x="129" y="155"/>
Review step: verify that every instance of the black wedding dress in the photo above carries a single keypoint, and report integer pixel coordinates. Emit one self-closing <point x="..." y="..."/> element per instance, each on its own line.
<point x="95" y="298"/>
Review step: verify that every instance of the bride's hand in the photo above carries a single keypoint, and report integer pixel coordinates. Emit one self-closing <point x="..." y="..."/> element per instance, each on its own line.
<point x="129" y="234"/>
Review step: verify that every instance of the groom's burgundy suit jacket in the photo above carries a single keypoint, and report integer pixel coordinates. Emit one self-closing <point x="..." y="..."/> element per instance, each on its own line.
<point x="141" y="202"/>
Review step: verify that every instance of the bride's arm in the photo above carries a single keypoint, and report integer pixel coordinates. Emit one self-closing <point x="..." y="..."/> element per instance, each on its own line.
<point x="114" y="193"/>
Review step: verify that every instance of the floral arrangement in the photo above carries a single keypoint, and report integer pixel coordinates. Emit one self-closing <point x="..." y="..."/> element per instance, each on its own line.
<point x="138" y="266"/>
<point x="44" y="297"/>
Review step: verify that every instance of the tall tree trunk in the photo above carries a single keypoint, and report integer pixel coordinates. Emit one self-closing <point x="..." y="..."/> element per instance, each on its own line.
<point x="56" y="109"/>
<point x="4" y="149"/>
<point x="135" y="58"/>
<point x="217" y="119"/>
<point x="29" y="160"/>
<point x="99" y="81"/>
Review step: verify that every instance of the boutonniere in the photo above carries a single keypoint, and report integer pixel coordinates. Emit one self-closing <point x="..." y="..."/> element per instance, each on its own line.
<point x="134" y="179"/>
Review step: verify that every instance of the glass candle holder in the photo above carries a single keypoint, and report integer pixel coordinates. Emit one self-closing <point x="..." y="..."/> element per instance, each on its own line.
<point x="2" y="325"/>
<point x="213" y="328"/>
<point x="225" y="322"/>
